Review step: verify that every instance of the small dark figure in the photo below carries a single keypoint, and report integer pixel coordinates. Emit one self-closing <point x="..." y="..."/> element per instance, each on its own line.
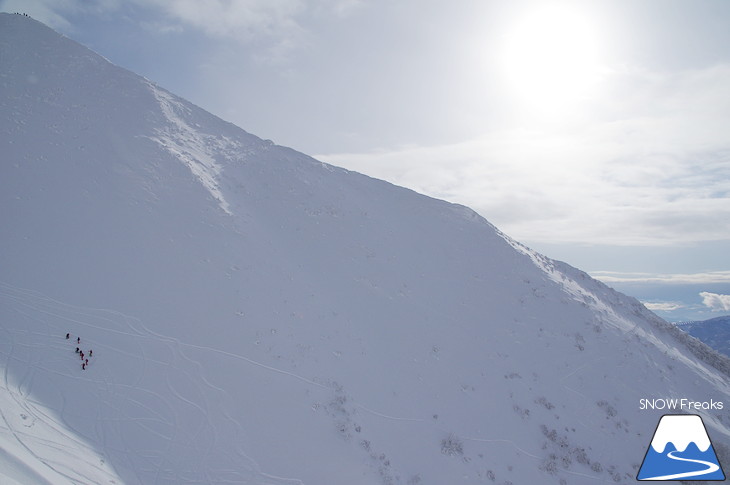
<point x="91" y="352"/>
<point x="82" y="355"/>
<point x="78" y="340"/>
<point x="67" y="336"/>
<point x="86" y="362"/>
<point x="77" y="350"/>
<point x="83" y="366"/>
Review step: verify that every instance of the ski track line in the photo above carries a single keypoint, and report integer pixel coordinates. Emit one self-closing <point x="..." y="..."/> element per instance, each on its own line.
<point x="255" y="363"/>
<point x="137" y="330"/>
<point x="159" y="337"/>
<point x="510" y="442"/>
<point x="45" y="305"/>
<point x="17" y="435"/>
<point x="146" y="333"/>
<point x="295" y="481"/>
<point x="394" y="418"/>
<point x="98" y="345"/>
<point x="31" y="409"/>
<point x="176" y="427"/>
<point x="583" y="475"/>
<point x="80" y="322"/>
<point x="583" y="396"/>
<point x="41" y="417"/>
<point x="36" y="302"/>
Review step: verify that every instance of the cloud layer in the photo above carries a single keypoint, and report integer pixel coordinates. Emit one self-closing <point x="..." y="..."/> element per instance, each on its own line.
<point x="710" y="277"/>
<point x="665" y="306"/>
<point x="656" y="174"/>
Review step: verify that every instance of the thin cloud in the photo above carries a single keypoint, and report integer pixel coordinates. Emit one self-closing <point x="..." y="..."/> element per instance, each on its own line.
<point x="275" y="28"/>
<point x="710" y="277"/>
<point x="663" y="306"/>
<point x="716" y="302"/>
<point x="657" y="173"/>
<point x="239" y="19"/>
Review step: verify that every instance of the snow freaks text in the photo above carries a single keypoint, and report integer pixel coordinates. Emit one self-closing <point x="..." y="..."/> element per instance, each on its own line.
<point x="679" y="404"/>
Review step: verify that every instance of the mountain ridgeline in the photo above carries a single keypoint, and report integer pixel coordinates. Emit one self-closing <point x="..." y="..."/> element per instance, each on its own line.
<point x="715" y="332"/>
<point x="257" y="316"/>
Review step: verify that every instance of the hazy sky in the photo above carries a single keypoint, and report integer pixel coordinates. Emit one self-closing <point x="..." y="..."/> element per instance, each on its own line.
<point x="597" y="132"/>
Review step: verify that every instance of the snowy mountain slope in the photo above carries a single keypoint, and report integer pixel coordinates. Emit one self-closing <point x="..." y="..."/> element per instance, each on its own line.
<point x="714" y="332"/>
<point x="257" y="316"/>
<point x="35" y="447"/>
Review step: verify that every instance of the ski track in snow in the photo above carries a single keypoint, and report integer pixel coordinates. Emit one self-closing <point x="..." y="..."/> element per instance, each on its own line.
<point x="156" y="353"/>
<point x="62" y="455"/>
<point x="158" y="420"/>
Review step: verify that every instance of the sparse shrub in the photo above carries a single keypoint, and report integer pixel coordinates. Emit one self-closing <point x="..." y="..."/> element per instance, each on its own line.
<point x="581" y="456"/>
<point x="549" y="466"/>
<point x="452" y="445"/>
<point x="523" y="413"/>
<point x="550" y="434"/>
<point x="610" y="410"/>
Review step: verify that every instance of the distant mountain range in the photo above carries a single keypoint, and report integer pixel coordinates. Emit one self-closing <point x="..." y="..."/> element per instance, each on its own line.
<point x="715" y="332"/>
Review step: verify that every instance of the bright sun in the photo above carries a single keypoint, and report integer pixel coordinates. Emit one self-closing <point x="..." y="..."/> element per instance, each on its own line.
<point x="550" y="59"/>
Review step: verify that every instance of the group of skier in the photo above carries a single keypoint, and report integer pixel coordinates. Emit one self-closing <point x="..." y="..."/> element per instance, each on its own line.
<point x="84" y="358"/>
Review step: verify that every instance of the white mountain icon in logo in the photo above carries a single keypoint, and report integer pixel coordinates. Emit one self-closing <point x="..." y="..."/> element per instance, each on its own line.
<point x="680" y="450"/>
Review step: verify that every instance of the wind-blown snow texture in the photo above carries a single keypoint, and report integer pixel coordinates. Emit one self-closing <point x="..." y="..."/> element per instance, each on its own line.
<point x="259" y="317"/>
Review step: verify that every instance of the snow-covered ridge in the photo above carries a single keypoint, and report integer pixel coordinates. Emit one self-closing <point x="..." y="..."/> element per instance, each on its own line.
<point x="714" y="332"/>
<point x="194" y="149"/>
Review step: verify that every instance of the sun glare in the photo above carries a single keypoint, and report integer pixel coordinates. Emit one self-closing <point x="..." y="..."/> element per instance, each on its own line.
<point x="550" y="59"/>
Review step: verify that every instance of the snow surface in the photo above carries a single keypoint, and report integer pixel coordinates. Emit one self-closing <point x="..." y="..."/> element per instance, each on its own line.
<point x="260" y="317"/>
<point x="34" y="446"/>
<point x="194" y="149"/>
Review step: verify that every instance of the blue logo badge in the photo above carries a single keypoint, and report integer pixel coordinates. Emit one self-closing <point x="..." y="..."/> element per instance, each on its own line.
<point x="681" y="450"/>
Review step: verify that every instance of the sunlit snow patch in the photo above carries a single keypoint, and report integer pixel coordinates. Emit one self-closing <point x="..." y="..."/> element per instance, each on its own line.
<point x="37" y="449"/>
<point x="191" y="147"/>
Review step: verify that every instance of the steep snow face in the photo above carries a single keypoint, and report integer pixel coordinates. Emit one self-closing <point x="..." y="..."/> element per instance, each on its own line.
<point x="194" y="149"/>
<point x="257" y="316"/>
<point x="714" y="332"/>
<point x="35" y="448"/>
